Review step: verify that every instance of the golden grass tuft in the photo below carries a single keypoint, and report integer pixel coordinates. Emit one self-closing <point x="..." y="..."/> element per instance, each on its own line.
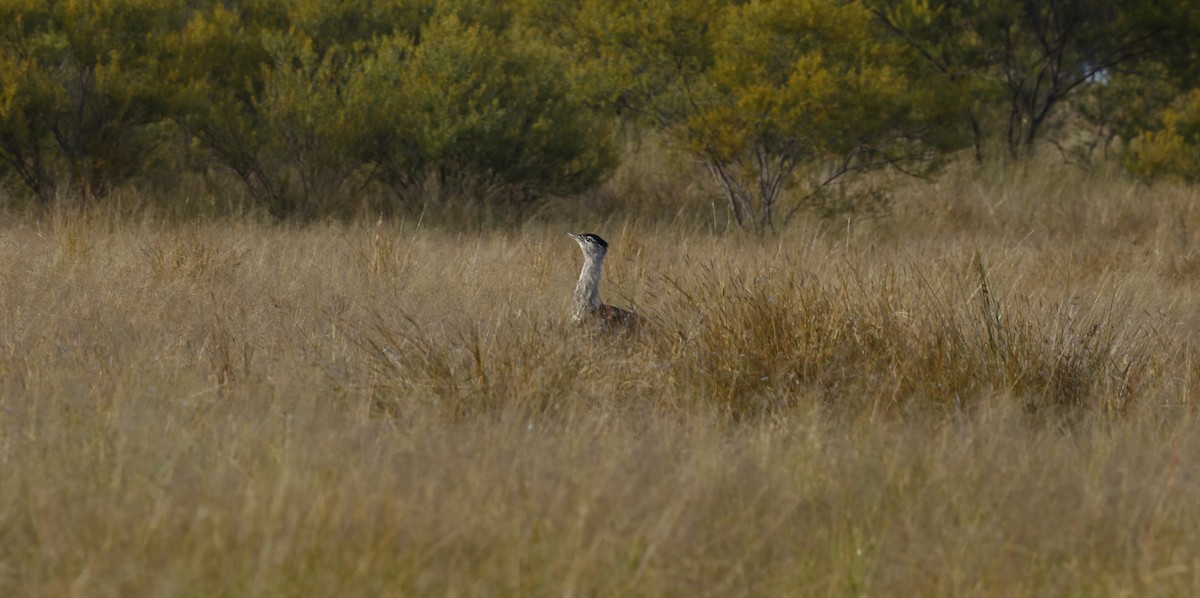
<point x="988" y="391"/>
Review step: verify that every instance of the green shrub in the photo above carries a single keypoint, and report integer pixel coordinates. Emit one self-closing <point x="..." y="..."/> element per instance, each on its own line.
<point x="1173" y="149"/>
<point x="493" y="112"/>
<point x="768" y="95"/>
<point x="310" y="115"/>
<point x="81" y="92"/>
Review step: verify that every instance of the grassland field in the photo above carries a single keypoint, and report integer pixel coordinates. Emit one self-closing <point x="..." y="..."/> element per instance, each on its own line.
<point x="989" y="389"/>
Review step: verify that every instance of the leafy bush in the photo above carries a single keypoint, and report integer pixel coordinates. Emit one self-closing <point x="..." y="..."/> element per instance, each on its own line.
<point x="307" y="103"/>
<point x="492" y="112"/>
<point x="320" y="110"/>
<point x="324" y="106"/>
<point x="81" y="93"/>
<point x="768" y="95"/>
<point x="1172" y="150"/>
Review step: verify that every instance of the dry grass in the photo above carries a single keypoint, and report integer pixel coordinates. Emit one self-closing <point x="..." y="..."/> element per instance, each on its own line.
<point x="987" y="392"/>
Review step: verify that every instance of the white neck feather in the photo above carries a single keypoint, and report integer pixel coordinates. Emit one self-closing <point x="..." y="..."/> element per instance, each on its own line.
<point x="587" y="290"/>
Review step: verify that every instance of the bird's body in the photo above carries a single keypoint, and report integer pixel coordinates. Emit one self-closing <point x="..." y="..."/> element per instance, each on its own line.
<point x="587" y="306"/>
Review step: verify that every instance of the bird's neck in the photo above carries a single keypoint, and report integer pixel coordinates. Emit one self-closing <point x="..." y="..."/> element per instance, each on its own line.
<point x="587" y="290"/>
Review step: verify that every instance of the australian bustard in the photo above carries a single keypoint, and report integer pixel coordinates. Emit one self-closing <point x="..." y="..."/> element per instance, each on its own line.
<point x="588" y="306"/>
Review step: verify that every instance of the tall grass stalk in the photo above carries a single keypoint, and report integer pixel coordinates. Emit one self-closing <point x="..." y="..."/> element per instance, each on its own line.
<point x="988" y="391"/>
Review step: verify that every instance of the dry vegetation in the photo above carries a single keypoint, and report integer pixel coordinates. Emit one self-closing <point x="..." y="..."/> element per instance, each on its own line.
<point x="988" y="391"/>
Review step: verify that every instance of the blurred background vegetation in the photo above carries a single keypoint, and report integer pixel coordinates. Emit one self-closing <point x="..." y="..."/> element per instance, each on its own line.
<point x="303" y="109"/>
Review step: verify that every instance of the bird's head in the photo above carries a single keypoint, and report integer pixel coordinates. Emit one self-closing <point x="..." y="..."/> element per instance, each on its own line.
<point x="591" y="244"/>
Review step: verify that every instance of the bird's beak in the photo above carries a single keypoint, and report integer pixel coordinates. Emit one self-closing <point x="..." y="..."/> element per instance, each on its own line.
<point x="573" y="236"/>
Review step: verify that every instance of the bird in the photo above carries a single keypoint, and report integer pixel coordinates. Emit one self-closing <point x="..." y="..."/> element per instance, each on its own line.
<point x="588" y="307"/>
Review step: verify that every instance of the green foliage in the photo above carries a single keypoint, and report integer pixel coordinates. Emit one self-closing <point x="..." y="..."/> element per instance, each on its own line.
<point x="1169" y="27"/>
<point x="80" y="91"/>
<point x="312" y="125"/>
<point x="1161" y="100"/>
<point x="493" y="110"/>
<point x="24" y="94"/>
<point x="216" y="66"/>
<point x="766" y="94"/>
<point x="1172" y="150"/>
<point x="645" y="57"/>
<point x="813" y="87"/>
<point x="283" y="101"/>
<point x="1021" y="62"/>
<point x="1118" y="109"/>
<point x="306" y="102"/>
<point x="307" y="116"/>
<point x="323" y="106"/>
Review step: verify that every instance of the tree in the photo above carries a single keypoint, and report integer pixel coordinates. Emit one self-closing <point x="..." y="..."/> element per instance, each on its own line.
<point x="494" y="115"/>
<point x="1162" y="133"/>
<point x="769" y="95"/>
<point x="310" y="107"/>
<point x="277" y="94"/>
<point x="25" y="96"/>
<point x="1021" y="56"/>
<point x="81" y="91"/>
<point x="1172" y="149"/>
